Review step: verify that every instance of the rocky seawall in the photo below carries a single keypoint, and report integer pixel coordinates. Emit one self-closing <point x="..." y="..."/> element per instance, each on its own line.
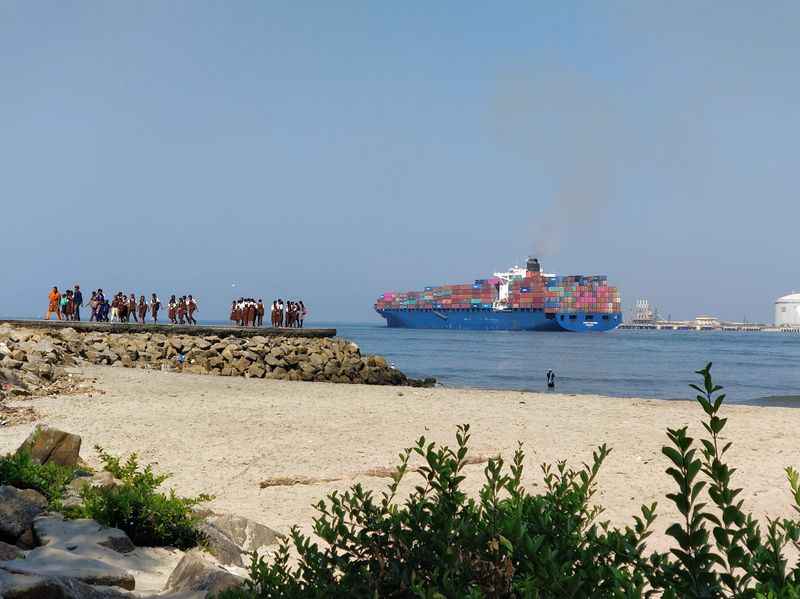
<point x="32" y="360"/>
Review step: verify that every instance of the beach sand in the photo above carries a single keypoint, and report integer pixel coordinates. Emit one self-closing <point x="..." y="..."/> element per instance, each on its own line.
<point x="225" y="436"/>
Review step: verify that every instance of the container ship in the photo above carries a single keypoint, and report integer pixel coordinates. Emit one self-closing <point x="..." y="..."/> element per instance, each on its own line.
<point x="521" y="299"/>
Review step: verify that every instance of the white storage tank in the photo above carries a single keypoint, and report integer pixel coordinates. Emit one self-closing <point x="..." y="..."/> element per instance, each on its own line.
<point x="787" y="310"/>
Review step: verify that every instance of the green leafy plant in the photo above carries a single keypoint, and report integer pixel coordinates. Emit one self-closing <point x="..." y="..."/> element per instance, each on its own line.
<point x="720" y="551"/>
<point x="20" y="470"/>
<point x="150" y="517"/>
<point x="441" y="543"/>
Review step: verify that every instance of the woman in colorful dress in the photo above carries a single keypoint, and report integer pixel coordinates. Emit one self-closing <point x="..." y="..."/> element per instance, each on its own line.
<point x="290" y="314"/>
<point x="93" y="306"/>
<point x="260" y="312"/>
<point x="172" y="310"/>
<point x="65" y="305"/>
<point x="122" y="307"/>
<point x="241" y="311"/>
<point x="101" y="305"/>
<point x="142" y="309"/>
<point x="181" y="308"/>
<point x="155" y="306"/>
<point x="234" y="313"/>
<point x="191" y="308"/>
<point x="132" y="313"/>
<point x="250" y="316"/>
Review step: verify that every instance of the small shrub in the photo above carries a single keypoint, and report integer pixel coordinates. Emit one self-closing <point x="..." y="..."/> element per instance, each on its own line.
<point x="507" y="542"/>
<point x="440" y="543"/>
<point x="149" y="517"/>
<point x="721" y="551"/>
<point x="20" y="470"/>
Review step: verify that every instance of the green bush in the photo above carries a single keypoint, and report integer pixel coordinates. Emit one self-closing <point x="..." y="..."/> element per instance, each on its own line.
<point x="508" y="542"/>
<point x="149" y="517"/>
<point x="20" y="470"/>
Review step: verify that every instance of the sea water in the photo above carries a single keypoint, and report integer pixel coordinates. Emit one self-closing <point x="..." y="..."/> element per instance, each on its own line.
<point x="753" y="367"/>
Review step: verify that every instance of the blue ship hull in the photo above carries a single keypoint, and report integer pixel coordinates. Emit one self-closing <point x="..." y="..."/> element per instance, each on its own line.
<point x="487" y="319"/>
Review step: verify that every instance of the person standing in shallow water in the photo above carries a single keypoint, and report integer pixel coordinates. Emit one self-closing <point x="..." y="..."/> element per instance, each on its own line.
<point x="551" y="378"/>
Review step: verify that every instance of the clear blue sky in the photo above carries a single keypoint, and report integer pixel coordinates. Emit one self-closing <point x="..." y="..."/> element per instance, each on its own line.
<point x="334" y="150"/>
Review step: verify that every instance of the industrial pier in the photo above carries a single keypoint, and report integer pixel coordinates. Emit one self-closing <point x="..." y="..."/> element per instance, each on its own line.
<point x="787" y="320"/>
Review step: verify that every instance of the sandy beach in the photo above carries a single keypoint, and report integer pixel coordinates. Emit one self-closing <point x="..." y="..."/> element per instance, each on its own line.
<point x="224" y="436"/>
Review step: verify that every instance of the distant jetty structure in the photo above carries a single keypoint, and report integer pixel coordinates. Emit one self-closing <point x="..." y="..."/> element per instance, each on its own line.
<point x="645" y="317"/>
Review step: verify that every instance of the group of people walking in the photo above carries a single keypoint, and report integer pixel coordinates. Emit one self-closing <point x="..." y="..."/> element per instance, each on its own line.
<point x="123" y="308"/>
<point x="120" y="308"/>
<point x="66" y="305"/>
<point x="249" y="312"/>
<point x="246" y="312"/>
<point x="181" y="310"/>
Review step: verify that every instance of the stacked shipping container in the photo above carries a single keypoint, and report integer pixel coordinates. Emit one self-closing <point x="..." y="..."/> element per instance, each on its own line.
<point x="480" y="294"/>
<point x="568" y="294"/>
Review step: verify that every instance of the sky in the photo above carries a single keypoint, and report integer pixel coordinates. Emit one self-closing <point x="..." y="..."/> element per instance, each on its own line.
<point x="332" y="151"/>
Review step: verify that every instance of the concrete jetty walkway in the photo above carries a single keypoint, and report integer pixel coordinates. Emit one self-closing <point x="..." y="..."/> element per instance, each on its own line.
<point x="170" y="329"/>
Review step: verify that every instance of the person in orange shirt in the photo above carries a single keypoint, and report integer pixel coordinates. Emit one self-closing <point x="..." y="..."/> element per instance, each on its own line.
<point x="52" y="306"/>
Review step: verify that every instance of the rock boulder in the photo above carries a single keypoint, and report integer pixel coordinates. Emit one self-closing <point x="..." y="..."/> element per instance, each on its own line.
<point x="9" y="552"/>
<point x="24" y="586"/>
<point x="50" y="445"/>
<point x="18" y="509"/>
<point x="55" y="531"/>
<point x="200" y="572"/>
<point x="230" y="536"/>
<point x="44" y="561"/>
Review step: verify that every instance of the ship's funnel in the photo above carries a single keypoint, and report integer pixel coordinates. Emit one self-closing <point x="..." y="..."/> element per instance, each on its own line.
<point x="533" y="265"/>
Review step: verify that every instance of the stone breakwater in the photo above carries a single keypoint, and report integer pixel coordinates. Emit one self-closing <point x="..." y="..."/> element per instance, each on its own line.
<point x="32" y="361"/>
